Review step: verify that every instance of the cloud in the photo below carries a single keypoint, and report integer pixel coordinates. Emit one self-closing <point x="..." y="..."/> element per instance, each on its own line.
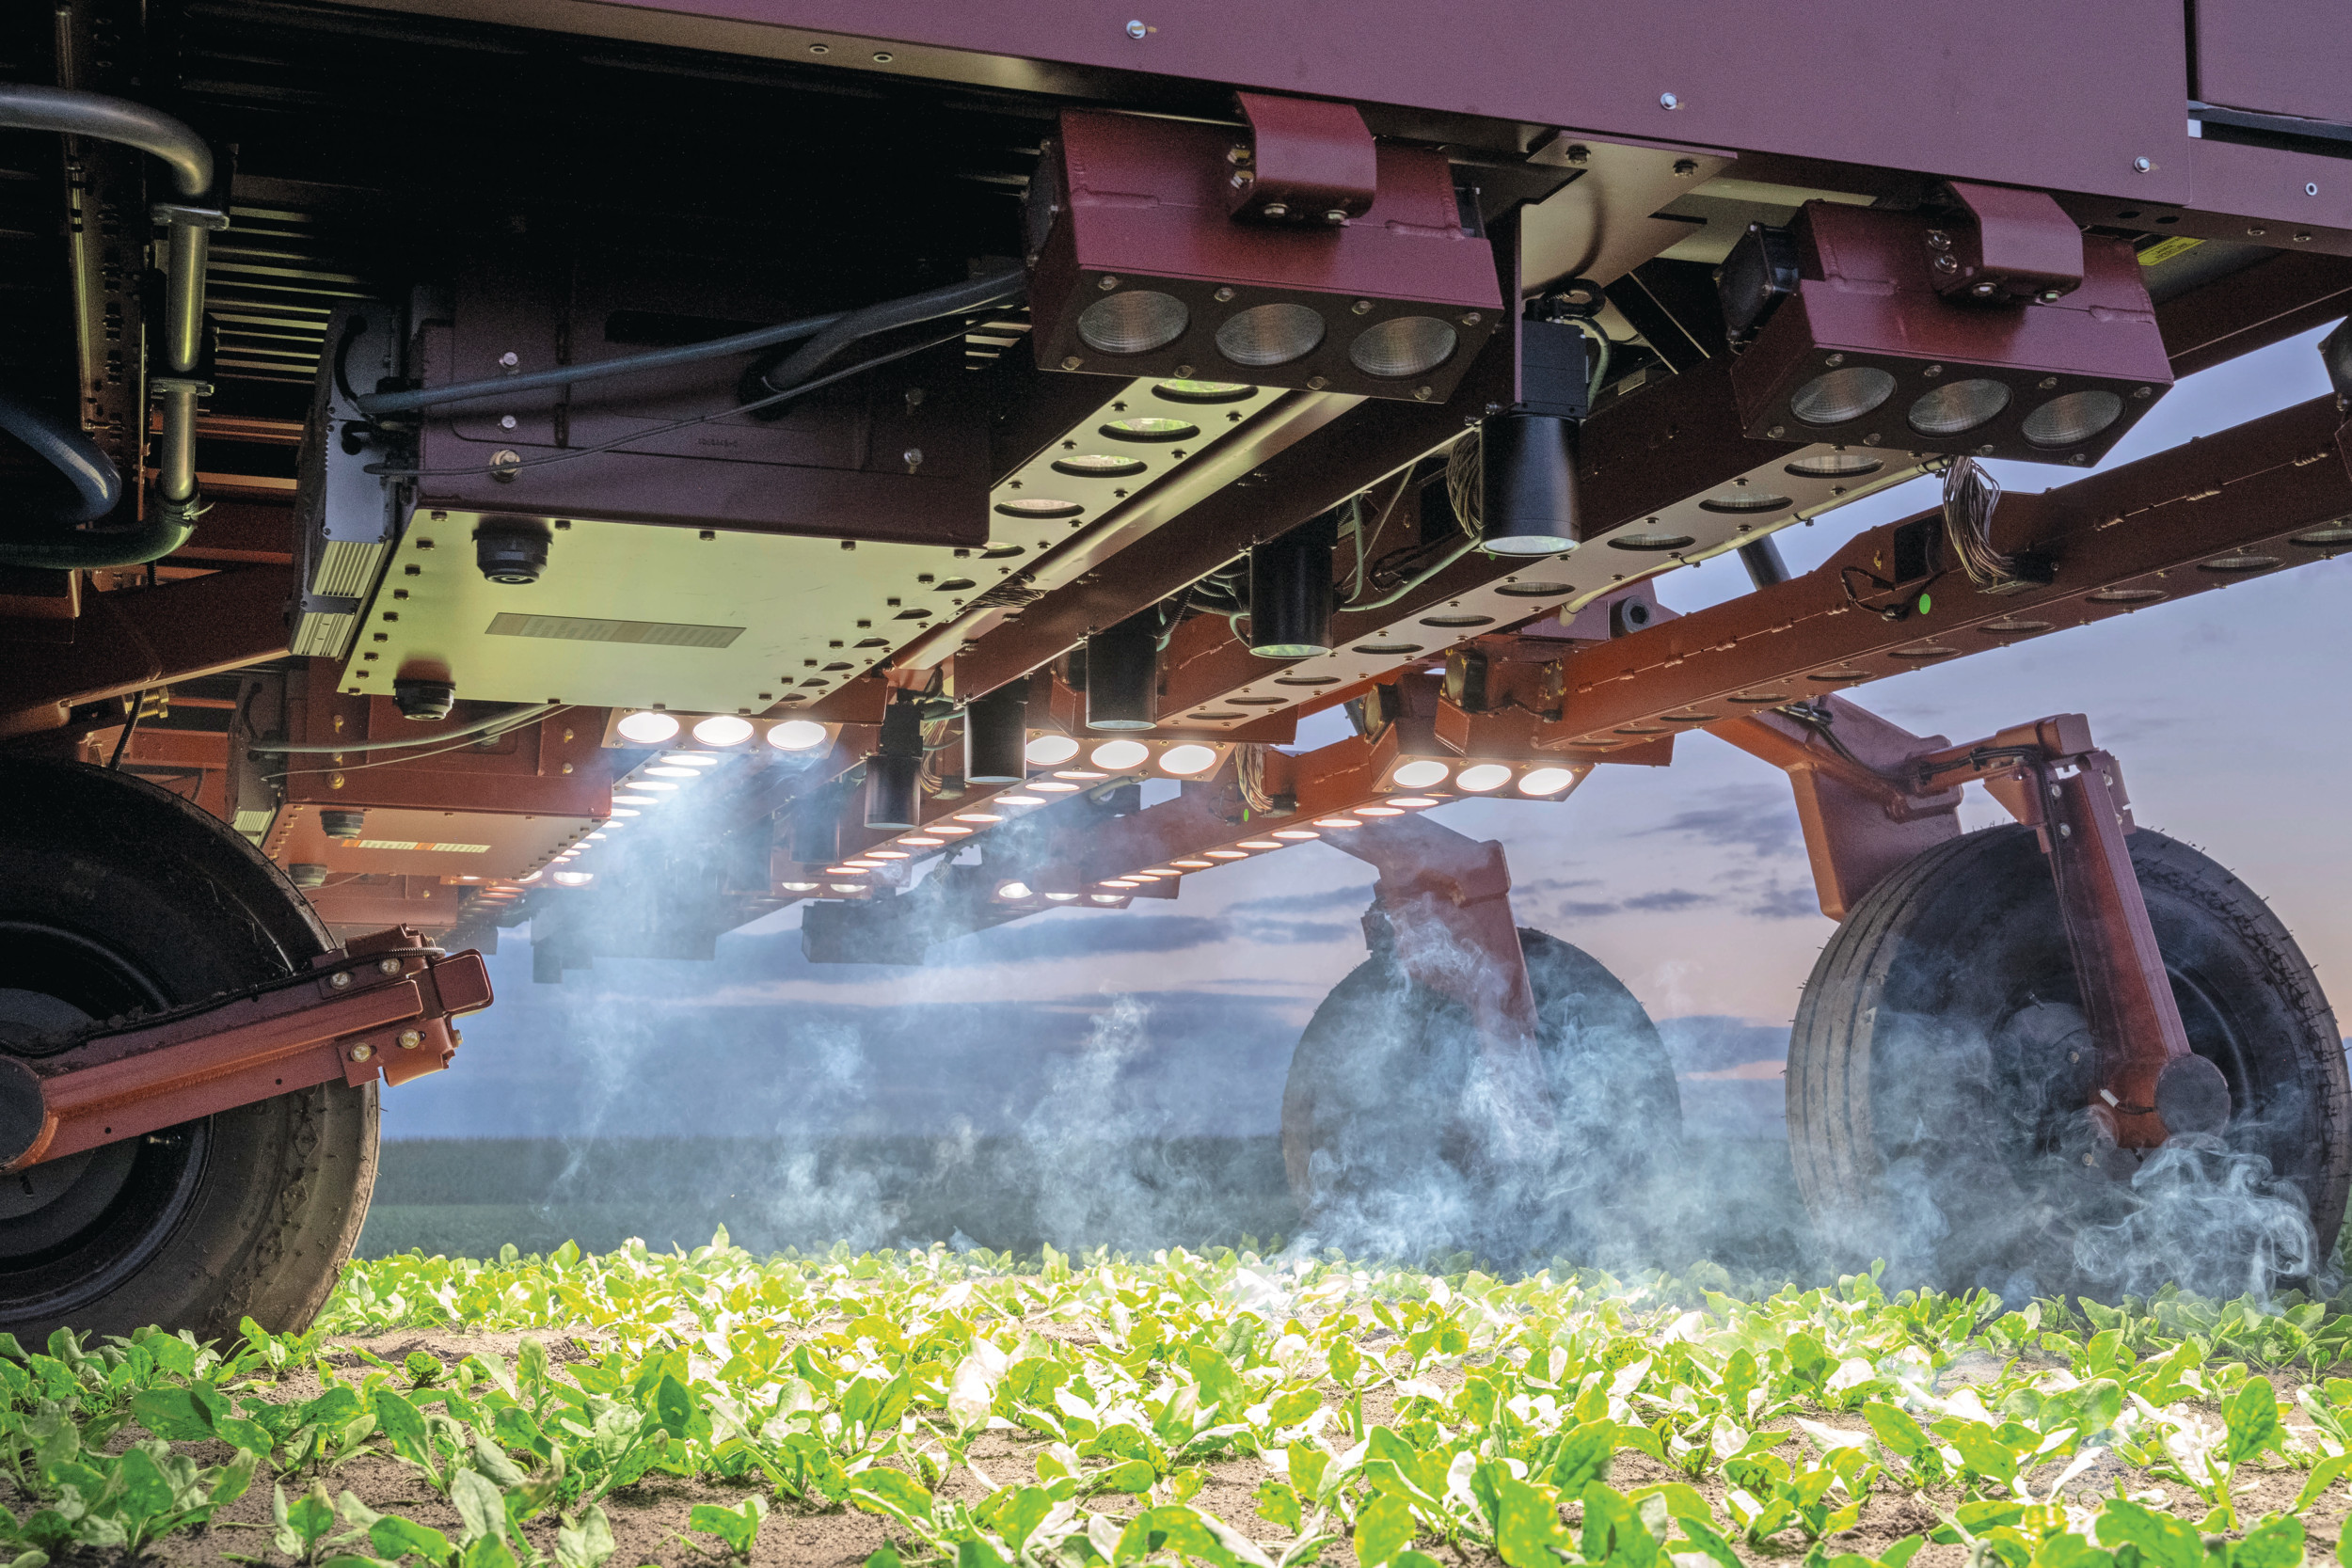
<point x="1786" y="903"/>
<point x="1083" y="935"/>
<point x="1757" y="820"/>
<point x="1305" y="903"/>
<point x="1295" y="932"/>
<point x="1667" y="901"/>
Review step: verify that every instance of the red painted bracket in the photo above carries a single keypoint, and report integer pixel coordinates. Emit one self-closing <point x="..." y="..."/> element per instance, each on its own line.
<point x="2021" y="246"/>
<point x="380" y="1007"/>
<point x="1307" y="161"/>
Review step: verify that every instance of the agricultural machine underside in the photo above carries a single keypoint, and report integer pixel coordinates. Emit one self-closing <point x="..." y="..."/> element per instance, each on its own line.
<point x="926" y="478"/>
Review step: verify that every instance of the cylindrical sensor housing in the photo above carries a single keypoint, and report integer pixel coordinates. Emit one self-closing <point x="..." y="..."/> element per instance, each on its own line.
<point x="995" y="734"/>
<point x="1123" y="673"/>
<point x="1290" y="592"/>
<point x="893" y="791"/>
<point x="1527" y="491"/>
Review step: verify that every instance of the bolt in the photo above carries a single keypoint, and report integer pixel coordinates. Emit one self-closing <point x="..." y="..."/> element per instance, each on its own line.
<point x="2065" y="831"/>
<point x="2256" y="231"/>
<point x="1669" y="100"/>
<point x="1107" y="284"/>
<point x="1222" y="295"/>
<point x="1138" y="31"/>
<point x="455" y="1038"/>
<point x="1239" y="153"/>
<point x="510" y="360"/>
<point x="2143" y="391"/>
<point x="2047" y="384"/>
<point x="1184" y="373"/>
<point x="1276" y="210"/>
<point x="361" y="1052"/>
<point x="2049" y="297"/>
<point x="1335" y="215"/>
<point x="1947" y="263"/>
<point x="1938" y="240"/>
<point x="1472" y="319"/>
<point x="913" y="457"/>
<point x="1834" y="360"/>
<point x="2311" y="187"/>
<point x="1685" y="168"/>
<point x="2141" y="165"/>
<point x="1242" y="177"/>
<point x="387" y="966"/>
<point x="1317" y="383"/>
<point x="2079" y="457"/>
<point x="1982" y="290"/>
<point x="410" y="1039"/>
<point x="1421" y="394"/>
<point x="1872" y="439"/>
<point x="1777" y="432"/>
<point x="338" y="981"/>
<point x="1932" y="372"/>
<point x="1071" y="362"/>
<point x="1360" y="307"/>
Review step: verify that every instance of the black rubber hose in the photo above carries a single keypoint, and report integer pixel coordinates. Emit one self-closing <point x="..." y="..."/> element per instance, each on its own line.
<point x="504" y="716"/>
<point x="768" y="377"/>
<point x="375" y="403"/>
<point x="97" y="487"/>
<point x="96" y="490"/>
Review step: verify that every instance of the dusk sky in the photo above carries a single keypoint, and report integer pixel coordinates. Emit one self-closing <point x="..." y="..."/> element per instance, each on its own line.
<point x="2228" y="712"/>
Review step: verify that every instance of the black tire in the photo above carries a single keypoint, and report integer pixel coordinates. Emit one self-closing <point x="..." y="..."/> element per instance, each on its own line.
<point x="115" y="895"/>
<point x="1383" y="1133"/>
<point x="1937" y="1079"/>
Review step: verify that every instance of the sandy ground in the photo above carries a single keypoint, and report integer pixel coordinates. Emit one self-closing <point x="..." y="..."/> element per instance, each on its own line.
<point x="649" y="1519"/>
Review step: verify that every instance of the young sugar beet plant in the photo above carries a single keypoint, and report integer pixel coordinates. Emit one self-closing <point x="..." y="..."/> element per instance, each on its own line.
<point x="1216" y="1409"/>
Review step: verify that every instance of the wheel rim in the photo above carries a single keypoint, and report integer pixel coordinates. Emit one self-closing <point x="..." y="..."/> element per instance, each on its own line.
<point x="73" y="1228"/>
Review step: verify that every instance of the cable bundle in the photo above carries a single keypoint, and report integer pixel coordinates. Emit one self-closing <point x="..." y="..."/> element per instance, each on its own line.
<point x="1970" y="496"/>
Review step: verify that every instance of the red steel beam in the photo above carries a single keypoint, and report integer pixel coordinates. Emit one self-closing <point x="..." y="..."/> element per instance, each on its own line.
<point x="134" y="639"/>
<point x="379" y="1007"/>
<point x="2197" y="518"/>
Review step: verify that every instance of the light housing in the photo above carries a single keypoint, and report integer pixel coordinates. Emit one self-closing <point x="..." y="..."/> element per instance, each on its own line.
<point x="1871" y="349"/>
<point x="1291" y="591"/>
<point x="1526" y="484"/>
<point x="894" y="795"/>
<point x="1123" y="673"/>
<point x="995" y="732"/>
<point x="726" y="730"/>
<point x="647" y="727"/>
<point x="1394" y="300"/>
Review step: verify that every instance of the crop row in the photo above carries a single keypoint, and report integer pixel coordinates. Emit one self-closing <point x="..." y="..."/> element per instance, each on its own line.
<point x="1393" y="1411"/>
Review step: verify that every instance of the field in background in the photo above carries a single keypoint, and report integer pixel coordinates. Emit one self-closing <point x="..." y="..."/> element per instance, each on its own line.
<point x="467" y="1196"/>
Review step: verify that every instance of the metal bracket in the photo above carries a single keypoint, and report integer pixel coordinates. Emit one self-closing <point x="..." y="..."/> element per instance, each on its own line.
<point x="2018" y="246"/>
<point x="1308" y="161"/>
<point x="379" y="1007"/>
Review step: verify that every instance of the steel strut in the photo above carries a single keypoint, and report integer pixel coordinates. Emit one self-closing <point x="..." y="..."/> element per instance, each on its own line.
<point x="1448" y="901"/>
<point x="380" y="1007"/>
<point x="2050" y="777"/>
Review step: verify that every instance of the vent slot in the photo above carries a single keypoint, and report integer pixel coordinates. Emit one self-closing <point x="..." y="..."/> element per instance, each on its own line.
<point x="581" y="629"/>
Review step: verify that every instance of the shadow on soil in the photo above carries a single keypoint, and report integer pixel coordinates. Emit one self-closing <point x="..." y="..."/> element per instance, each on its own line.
<point x="468" y="1196"/>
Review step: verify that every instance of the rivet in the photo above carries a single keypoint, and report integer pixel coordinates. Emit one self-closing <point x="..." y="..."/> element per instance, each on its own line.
<point x="1107" y="284"/>
<point x="1421" y="394"/>
<point x="340" y="980"/>
<point x="1138" y="31"/>
<point x="1071" y="362"/>
<point x="387" y="966"/>
<point x="1932" y="372"/>
<point x="361" y="1052"/>
<point x="1669" y="100"/>
<point x="1276" y="209"/>
<point x="1222" y="295"/>
<point x="2047" y="384"/>
<point x="510" y="360"/>
<point x="1835" y="359"/>
<point x="410" y="1039"/>
<point x="2141" y="165"/>
<point x="1360" y="307"/>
